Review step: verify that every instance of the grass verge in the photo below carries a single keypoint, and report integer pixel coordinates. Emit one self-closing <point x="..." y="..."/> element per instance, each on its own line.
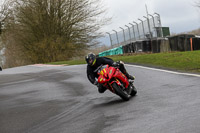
<point x="184" y="61"/>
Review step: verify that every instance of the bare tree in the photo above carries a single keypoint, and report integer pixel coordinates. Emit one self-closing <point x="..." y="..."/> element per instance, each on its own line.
<point x="52" y="30"/>
<point x="4" y="14"/>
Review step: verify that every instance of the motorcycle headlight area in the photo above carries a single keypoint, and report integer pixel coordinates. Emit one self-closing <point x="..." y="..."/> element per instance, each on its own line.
<point x="103" y="71"/>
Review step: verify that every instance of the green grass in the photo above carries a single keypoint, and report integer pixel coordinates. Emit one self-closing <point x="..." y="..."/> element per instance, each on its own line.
<point x="185" y="61"/>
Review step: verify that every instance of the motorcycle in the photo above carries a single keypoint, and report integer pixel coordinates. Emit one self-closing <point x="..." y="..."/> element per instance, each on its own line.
<point x="114" y="80"/>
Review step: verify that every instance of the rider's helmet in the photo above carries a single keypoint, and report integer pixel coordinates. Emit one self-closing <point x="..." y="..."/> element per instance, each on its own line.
<point x="90" y="59"/>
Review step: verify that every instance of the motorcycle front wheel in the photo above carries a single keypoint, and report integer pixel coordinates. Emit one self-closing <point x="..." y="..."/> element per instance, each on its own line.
<point x="120" y="92"/>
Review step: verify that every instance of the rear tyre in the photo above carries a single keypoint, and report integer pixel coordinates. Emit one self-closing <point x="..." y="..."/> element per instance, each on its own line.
<point x="120" y="92"/>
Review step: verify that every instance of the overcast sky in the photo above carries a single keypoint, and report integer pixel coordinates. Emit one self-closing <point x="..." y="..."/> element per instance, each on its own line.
<point x="179" y="15"/>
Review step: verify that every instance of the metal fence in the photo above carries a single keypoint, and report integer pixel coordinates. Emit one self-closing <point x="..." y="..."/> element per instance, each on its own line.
<point x="146" y="28"/>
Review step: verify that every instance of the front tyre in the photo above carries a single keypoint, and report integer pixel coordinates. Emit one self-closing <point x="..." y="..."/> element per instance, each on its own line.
<point x="120" y="92"/>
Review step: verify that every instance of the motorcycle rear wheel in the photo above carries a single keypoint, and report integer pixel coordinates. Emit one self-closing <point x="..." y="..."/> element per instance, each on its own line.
<point x="120" y="92"/>
<point x="134" y="91"/>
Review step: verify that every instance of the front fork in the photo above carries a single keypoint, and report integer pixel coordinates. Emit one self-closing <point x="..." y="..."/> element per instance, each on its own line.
<point x="119" y="83"/>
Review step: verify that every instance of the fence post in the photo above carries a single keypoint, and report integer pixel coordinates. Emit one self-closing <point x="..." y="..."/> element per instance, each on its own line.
<point x="148" y="26"/>
<point x="110" y="38"/>
<point x="129" y="32"/>
<point x="117" y="37"/>
<point x="153" y="23"/>
<point x="133" y="30"/>
<point x="137" y="29"/>
<point x="159" y="24"/>
<point x="142" y="27"/>
<point x="123" y="34"/>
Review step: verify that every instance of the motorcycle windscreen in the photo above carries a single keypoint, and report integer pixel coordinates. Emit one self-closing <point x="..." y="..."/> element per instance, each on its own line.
<point x="104" y="72"/>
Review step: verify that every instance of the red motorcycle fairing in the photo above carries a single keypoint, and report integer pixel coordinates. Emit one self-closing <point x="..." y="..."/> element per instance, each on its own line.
<point x="107" y="73"/>
<point x="119" y="75"/>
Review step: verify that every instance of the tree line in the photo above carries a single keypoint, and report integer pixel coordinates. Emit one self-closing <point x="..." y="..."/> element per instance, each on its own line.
<point x="41" y="31"/>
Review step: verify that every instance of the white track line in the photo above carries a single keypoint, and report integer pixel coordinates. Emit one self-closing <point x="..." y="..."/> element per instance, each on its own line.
<point x="167" y="71"/>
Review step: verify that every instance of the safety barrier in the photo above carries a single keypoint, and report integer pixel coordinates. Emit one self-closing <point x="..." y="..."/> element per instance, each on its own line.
<point x="114" y="51"/>
<point x="183" y="42"/>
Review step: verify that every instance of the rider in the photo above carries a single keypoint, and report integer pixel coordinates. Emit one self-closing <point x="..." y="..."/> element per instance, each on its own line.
<point x="94" y="63"/>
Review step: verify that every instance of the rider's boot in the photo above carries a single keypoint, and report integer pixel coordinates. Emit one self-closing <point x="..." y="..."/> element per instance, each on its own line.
<point x="130" y="76"/>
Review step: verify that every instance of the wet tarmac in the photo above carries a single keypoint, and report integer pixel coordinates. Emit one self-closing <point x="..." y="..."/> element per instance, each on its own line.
<point x="60" y="99"/>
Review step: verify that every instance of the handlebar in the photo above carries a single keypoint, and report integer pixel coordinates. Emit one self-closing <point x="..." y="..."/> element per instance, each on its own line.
<point x="98" y="68"/>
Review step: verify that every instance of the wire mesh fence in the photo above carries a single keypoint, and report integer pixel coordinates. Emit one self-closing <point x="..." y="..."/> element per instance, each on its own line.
<point x="141" y="30"/>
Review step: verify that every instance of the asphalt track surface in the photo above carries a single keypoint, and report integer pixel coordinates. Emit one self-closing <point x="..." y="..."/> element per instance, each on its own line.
<point x="60" y="99"/>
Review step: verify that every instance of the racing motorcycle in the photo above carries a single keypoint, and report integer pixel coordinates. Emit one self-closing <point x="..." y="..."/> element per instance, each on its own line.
<point x="114" y="80"/>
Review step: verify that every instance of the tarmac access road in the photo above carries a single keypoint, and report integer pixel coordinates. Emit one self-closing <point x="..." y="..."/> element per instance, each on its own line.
<point x="60" y="99"/>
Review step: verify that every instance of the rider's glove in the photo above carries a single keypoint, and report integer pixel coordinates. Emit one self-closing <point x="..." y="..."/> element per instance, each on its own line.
<point x="116" y="64"/>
